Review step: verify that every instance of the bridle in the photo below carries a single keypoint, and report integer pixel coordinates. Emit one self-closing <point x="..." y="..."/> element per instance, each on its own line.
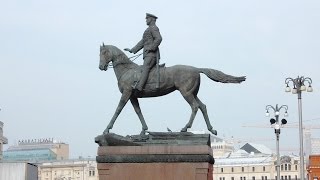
<point x="132" y="57"/>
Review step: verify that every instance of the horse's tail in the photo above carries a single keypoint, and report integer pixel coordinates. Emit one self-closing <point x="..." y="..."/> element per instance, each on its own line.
<point x="219" y="76"/>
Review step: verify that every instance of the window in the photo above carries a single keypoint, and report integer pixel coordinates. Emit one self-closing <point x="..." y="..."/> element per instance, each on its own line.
<point x="296" y="167"/>
<point x="281" y="167"/>
<point x="222" y="170"/>
<point x="241" y="178"/>
<point x="232" y="169"/>
<point x="285" y="177"/>
<point x="286" y="167"/>
<point x="264" y="168"/>
<point x="296" y="177"/>
<point x="265" y="178"/>
<point x="93" y="172"/>
<point x="232" y="178"/>
<point x="242" y="169"/>
<point x="244" y="178"/>
<point x="253" y="169"/>
<point x="289" y="167"/>
<point x="253" y="178"/>
<point x="289" y="177"/>
<point x="281" y="177"/>
<point x="262" y="177"/>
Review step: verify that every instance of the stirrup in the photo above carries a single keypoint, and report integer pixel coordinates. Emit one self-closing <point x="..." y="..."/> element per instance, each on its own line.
<point x="134" y="86"/>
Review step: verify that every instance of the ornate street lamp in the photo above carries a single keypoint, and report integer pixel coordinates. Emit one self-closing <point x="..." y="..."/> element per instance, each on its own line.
<point x="298" y="87"/>
<point x="277" y="125"/>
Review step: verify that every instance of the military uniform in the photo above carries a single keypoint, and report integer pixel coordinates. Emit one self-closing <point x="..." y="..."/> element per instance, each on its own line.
<point x="150" y="42"/>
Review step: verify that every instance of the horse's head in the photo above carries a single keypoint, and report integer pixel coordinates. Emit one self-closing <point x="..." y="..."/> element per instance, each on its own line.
<point x="105" y="58"/>
<point x="110" y="53"/>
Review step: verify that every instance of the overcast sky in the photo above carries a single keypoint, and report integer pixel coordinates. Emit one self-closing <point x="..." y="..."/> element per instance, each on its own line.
<point x="51" y="86"/>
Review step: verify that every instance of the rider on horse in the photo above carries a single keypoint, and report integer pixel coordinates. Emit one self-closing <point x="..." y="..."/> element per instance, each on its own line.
<point x="150" y="42"/>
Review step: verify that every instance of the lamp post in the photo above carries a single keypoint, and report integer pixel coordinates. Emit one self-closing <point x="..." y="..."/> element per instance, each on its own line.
<point x="277" y="125"/>
<point x="298" y="87"/>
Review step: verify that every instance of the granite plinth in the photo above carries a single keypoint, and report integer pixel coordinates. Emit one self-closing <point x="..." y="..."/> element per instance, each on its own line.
<point x="155" y="171"/>
<point x="157" y="156"/>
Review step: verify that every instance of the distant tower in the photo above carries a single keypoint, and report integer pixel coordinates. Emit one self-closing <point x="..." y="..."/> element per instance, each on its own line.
<point x="307" y="144"/>
<point x="3" y="140"/>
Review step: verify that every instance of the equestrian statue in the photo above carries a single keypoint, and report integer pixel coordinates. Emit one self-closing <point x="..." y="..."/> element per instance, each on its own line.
<point x="153" y="80"/>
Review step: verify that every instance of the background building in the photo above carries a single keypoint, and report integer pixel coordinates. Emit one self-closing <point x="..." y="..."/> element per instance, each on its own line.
<point x="315" y="146"/>
<point x="314" y="167"/>
<point x="220" y="147"/>
<point x="33" y="150"/>
<point x="3" y="140"/>
<point x="254" y="162"/>
<point x="81" y="169"/>
<point x="18" y="171"/>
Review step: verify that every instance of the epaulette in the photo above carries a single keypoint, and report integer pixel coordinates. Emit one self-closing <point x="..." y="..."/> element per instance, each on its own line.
<point x="154" y="27"/>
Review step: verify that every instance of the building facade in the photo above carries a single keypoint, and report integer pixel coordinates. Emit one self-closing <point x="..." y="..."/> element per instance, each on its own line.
<point x="220" y="147"/>
<point x="254" y="168"/>
<point x="255" y="162"/>
<point x="3" y="140"/>
<point x="314" y="167"/>
<point x="315" y="146"/>
<point x="33" y="150"/>
<point x="18" y="171"/>
<point x="81" y="169"/>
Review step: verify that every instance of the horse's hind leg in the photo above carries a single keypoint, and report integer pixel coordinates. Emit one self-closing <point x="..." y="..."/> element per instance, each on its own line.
<point x="203" y="109"/>
<point x="136" y="106"/>
<point x="194" y="107"/>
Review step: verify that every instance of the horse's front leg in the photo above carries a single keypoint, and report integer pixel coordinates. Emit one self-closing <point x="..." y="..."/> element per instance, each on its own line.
<point x="136" y="106"/>
<point x="123" y="101"/>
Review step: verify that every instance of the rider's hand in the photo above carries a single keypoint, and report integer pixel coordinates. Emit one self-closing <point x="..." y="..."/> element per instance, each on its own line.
<point x="127" y="49"/>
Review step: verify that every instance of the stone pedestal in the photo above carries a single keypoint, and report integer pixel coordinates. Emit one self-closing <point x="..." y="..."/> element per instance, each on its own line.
<point x="164" y="156"/>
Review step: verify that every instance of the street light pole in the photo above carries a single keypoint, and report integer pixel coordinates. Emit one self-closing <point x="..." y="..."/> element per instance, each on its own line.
<point x="298" y="87"/>
<point x="277" y="125"/>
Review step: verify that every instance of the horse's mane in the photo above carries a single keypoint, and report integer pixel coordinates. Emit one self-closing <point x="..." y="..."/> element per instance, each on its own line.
<point x="122" y="57"/>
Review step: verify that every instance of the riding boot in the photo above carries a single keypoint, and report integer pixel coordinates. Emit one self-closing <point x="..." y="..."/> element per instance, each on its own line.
<point x="148" y="63"/>
<point x="143" y="79"/>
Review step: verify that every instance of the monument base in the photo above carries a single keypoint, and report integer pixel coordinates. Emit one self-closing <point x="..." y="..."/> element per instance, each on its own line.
<point x="155" y="171"/>
<point x="164" y="156"/>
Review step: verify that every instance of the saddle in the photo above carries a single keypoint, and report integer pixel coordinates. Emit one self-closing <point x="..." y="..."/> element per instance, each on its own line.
<point x="153" y="75"/>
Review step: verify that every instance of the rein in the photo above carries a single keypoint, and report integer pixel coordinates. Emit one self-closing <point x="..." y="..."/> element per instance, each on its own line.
<point x="135" y="57"/>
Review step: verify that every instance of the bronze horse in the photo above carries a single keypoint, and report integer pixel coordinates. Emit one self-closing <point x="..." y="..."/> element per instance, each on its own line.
<point x="186" y="79"/>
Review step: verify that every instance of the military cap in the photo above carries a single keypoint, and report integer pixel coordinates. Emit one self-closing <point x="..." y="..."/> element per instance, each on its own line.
<point x="151" y="15"/>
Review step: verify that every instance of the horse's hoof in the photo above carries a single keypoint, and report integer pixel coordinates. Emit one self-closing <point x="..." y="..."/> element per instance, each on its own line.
<point x="106" y="131"/>
<point x="184" y="130"/>
<point x="214" y="132"/>
<point x="145" y="128"/>
<point x="142" y="133"/>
